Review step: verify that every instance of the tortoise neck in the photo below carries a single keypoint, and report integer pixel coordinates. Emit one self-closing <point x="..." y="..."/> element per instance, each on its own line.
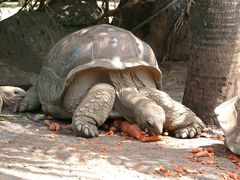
<point x="122" y="79"/>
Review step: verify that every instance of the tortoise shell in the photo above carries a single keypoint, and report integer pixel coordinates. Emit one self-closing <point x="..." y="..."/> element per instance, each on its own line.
<point x="99" y="46"/>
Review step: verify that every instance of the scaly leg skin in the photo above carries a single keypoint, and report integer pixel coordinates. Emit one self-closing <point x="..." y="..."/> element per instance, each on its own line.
<point x="180" y="120"/>
<point x="30" y="102"/>
<point x="56" y="111"/>
<point x="93" y="111"/>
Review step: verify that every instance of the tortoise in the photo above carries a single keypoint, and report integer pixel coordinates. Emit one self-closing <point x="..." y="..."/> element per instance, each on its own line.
<point x="10" y="95"/>
<point x="95" y="71"/>
<point x="228" y="114"/>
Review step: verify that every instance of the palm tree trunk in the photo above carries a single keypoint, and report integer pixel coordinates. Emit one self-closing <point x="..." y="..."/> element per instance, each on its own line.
<point x="214" y="72"/>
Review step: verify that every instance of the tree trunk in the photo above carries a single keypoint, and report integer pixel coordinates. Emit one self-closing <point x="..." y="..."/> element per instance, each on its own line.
<point x="157" y="31"/>
<point x="213" y="75"/>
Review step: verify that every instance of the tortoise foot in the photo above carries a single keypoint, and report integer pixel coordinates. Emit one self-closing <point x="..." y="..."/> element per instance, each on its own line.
<point x="189" y="131"/>
<point x="84" y="129"/>
<point x="30" y="102"/>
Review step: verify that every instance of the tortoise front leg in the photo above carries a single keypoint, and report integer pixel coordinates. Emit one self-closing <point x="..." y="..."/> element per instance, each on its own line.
<point x="30" y="102"/>
<point x="93" y="111"/>
<point x="180" y="120"/>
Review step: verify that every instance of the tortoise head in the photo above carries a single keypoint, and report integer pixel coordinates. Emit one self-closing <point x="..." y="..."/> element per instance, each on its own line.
<point x="11" y="95"/>
<point x="152" y="119"/>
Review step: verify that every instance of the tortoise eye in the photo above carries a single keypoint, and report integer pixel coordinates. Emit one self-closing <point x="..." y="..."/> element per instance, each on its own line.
<point x="16" y="92"/>
<point x="150" y="123"/>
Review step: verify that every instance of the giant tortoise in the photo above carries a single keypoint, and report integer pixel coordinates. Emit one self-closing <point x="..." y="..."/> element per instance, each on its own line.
<point x="10" y="95"/>
<point x="228" y="115"/>
<point x="96" y="70"/>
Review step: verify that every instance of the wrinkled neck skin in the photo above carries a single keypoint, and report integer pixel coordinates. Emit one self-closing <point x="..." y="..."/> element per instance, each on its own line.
<point x="4" y="101"/>
<point x="7" y="101"/>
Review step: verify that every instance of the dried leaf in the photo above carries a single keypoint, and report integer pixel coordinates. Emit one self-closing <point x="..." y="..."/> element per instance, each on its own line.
<point x="164" y="171"/>
<point x="237" y="164"/>
<point x="211" y="163"/>
<point x="201" y="170"/>
<point x="233" y="175"/>
<point x="201" y="154"/>
<point x="52" y="136"/>
<point x="124" y="126"/>
<point x="151" y="138"/>
<point x="196" y="150"/>
<point x="190" y="171"/>
<point x="110" y="133"/>
<point x="234" y="158"/>
<point x="55" y="127"/>
<point x="178" y="170"/>
<point x="210" y="149"/>
<point x="46" y="122"/>
<point x="222" y="168"/>
<point x="211" y="155"/>
<point x="134" y="131"/>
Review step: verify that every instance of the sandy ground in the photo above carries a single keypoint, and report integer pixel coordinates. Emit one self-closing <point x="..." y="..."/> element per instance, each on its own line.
<point x="30" y="151"/>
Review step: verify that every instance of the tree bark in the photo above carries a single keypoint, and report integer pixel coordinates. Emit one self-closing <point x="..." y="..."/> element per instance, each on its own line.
<point x="157" y="31"/>
<point x="214" y="72"/>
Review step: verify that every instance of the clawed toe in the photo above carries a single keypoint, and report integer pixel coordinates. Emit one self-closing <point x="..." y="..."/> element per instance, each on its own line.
<point x="188" y="132"/>
<point x="23" y="107"/>
<point x="84" y="129"/>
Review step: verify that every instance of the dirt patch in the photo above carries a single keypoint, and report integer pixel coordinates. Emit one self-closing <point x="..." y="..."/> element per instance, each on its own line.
<point x="30" y="151"/>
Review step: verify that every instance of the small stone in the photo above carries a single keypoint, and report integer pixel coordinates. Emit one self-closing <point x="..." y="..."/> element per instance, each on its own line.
<point x="165" y="133"/>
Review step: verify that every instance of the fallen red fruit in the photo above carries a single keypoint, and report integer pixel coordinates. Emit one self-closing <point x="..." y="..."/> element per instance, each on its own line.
<point x="151" y="138"/>
<point x="124" y="126"/>
<point x="135" y="131"/>
<point x="46" y="122"/>
<point x="55" y="127"/>
<point x="196" y="150"/>
<point x="110" y="133"/>
<point x="209" y="149"/>
<point x="201" y="154"/>
<point x="233" y="175"/>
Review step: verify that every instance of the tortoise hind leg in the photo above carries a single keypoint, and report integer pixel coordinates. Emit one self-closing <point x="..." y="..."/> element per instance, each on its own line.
<point x="180" y="120"/>
<point x="30" y="102"/>
<point x="93" y="111"/>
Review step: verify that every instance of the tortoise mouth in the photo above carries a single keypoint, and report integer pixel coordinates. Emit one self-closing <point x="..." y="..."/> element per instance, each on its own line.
<point x="151" y="130"/>
<point x="12" y="100"/>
